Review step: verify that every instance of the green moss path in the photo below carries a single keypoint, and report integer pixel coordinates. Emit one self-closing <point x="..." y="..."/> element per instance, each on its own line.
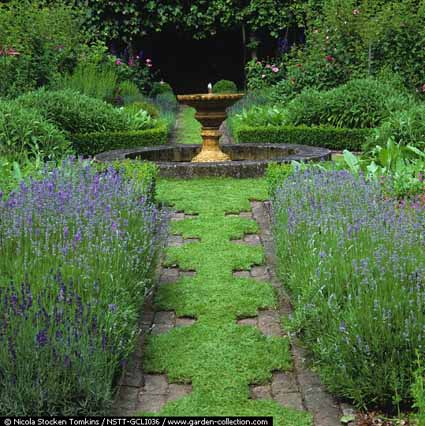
<point x="215" y="345"/>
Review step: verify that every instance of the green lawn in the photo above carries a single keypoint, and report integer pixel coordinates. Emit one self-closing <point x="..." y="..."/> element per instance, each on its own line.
<point x="219" y="357"/>
<point x="189" y="131"/>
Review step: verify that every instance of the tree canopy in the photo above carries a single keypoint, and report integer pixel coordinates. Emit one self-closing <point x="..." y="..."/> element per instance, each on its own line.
<point x="127" y="20"/>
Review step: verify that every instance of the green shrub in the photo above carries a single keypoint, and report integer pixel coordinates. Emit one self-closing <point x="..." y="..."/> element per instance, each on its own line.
<point x="95" y="143"/>
<point x="282" y="92"/>
<point x="25" y="133"/>
<point x="404" y="127"/>
<point x="307" y="108"/>
<point x="159" y="88"/>
<point x="224" y="86"/>
<point x="15" y="78"/>
<point x="361" y="103"/>
<point x="76" y="113"/>
<point x="46" y="39"/>
<point x="149" y="107"/>
<point x="275" y="175"/>
<point x="326" y="137"/>
<point x="90" y="80"/>
<point x="128" y="89"/>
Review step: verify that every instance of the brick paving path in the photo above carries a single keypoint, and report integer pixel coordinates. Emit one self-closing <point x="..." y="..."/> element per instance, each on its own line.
<point x="299" y="388"/>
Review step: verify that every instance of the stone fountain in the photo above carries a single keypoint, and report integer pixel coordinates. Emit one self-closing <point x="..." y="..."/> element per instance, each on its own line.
<point x="210" y="112"/>
<point x="230" y="160"/>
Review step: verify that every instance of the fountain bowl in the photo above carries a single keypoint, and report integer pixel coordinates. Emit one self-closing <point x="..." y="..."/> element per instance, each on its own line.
<point x="210" y="112"/>
<point x="247" y="160"/>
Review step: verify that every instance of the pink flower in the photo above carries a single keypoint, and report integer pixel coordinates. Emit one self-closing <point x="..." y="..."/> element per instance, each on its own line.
<point x="118" y="62"/>
<point x="268" y="66"/>
<point x="423" y="87"/>
<point x="12" y="52"/>
<point x="330" y="58"/>
<point x="130" y="62"/>
<point x="149" y="65"/>
<point x="148" y="61"/>
<point x="275" y="69"/>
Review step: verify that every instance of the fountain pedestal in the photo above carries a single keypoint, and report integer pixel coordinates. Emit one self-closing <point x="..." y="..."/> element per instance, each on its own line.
<point x="211" y="150"/>
<point x="210" y="112"/>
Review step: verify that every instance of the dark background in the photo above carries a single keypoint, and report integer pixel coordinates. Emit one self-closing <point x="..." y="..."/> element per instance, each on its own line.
<point x="189" y="65"/>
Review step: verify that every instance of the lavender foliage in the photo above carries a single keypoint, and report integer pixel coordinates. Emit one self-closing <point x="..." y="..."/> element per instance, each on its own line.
<point x="355" y="265"/>
<point x="78" y="253"/>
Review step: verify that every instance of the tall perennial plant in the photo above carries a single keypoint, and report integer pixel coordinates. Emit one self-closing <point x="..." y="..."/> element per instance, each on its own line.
<point x="78" y="253"/>
<point x="354" y="263"/>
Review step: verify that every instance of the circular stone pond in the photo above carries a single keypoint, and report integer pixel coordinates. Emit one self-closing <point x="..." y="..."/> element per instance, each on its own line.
<point x="247" y="160"/>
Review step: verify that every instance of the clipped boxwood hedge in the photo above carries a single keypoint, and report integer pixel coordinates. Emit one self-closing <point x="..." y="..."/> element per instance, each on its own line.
<point x="325" y="137"/>
<point x="94" y="143"/>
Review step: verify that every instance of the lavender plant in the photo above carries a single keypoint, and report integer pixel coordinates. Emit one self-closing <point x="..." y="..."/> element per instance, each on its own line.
<point x="354" y="263"/>
<point x="78" y="253"/>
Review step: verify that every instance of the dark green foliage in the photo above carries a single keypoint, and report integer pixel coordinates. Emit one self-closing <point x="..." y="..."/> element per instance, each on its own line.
<point x="360" y="103"/>
<point x="160" y="88"/>
<point x="224" y="86"/>
<point x="41" y="41"/>
<point x="94" y="143"/>
<point x="348" y="39"/>
<point x="91" y="80"/>
<point x="25" y="133"/>
<point x="326" y="137"/>
<point x="74" y="112"/>
<point x="128" y="20"/>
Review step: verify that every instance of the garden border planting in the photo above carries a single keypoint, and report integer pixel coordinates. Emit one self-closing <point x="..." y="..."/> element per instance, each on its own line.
<point x="94" y="143"/>
<point x="358" y="294"/>
<point x="81" y="248"/>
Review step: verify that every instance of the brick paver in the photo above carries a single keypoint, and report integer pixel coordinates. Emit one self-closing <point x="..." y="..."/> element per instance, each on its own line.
<point x="299" y="389"/>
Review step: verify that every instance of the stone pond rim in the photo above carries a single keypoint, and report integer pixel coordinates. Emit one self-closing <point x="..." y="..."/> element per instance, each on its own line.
<point x="249" y="160"/>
